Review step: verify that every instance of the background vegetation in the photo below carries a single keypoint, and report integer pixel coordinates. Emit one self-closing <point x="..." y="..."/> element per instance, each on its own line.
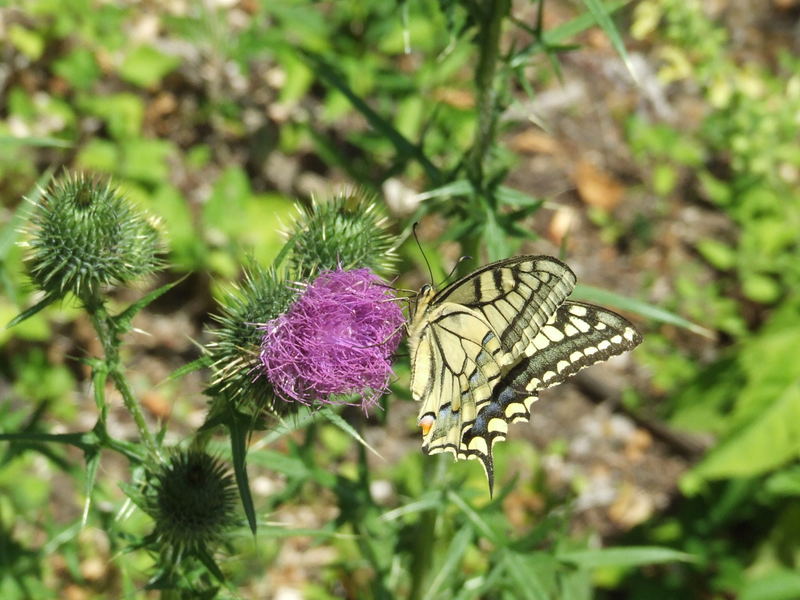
<point x="652" y="144"/>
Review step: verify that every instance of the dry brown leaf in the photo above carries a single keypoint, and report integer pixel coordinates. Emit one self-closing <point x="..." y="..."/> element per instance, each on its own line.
<point x="157" y="404"/>
<point x="462" y="99"/>
<point x="597" y="188"/>
<point x="561" y="224"/>
<point x="534" y="141"/>
<point x="632" y="506"/>
<point x="637" y="445"/>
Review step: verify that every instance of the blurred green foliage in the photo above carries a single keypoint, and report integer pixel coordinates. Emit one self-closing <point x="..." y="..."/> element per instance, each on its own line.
<point x="339" y="90"/>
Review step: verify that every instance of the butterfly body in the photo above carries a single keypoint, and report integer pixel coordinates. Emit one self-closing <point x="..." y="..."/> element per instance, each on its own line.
<point x="483" y="346"/>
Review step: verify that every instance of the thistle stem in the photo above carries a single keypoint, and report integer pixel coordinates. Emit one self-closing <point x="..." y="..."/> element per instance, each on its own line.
<point x="489" y="47"/>
<point x="489" y="15"/>
<point x="106" y="332"/>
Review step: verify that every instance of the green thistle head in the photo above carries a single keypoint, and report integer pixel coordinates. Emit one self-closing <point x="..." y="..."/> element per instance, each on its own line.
<point x="346" y="231"/>
<point x="85" y="235"/>
<point x="192" y="499"/>
<point x="235" y="351"/>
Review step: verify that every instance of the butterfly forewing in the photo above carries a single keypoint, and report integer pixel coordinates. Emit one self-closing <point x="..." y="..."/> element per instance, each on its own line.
<point x="483" y="347"/>
<point x="516" y="296"/>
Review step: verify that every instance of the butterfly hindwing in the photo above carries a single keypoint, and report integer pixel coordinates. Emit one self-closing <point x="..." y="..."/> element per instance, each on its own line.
<point x="582" y="335"/>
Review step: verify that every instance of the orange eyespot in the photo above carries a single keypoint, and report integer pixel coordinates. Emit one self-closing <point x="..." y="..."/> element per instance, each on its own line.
<point x="425" y="423"/>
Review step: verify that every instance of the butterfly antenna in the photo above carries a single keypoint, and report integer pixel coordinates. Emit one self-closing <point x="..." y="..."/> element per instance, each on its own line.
<point x="421" y="251"/>
<point x="455" y="266"/>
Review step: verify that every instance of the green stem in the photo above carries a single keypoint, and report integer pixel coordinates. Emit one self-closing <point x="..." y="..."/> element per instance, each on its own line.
<point x="489" y="15"/>
<point x="435" y="472"/>
<point x="491" y="21"/>
<point x="106" y="332"/>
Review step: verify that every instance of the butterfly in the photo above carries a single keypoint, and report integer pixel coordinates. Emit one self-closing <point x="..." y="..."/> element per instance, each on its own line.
<point x="483" y="347"/>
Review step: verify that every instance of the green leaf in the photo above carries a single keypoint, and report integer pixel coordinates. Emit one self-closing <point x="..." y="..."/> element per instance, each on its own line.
<point x="228" y="202"/>
<point x="99" y="155"/>
<point x="278" y="462"/>
<point x="480" y="524"/>
<point x="304" y="417"/>
<point x="146" y="160"/>
<point x="145" y="66"/>
<point x="761" y="288"/>
<point x="496" y="242"/>
<point x="630" y="556"/>
<point x="339" y="422"/>
<point x="600" y="296"/>
<point x="527" y="581"/>
<point x="603" y="18"/>
<point x="447" y="570"/>
<point x="330" y="75"/>
<point x="720" y="255"/>
<point x="86" y="441"/>
<point x="79" y="68"/>
<point x="44" y="142"/>
<point x="460" y="187"/>
<point x="431" y="500"/>
<point x="784" y="483"/>
<point x="199" y="363"/>
<point x="780" y="585"/>
<point x="239" y="433"/>
<point x="123" y="112"/>
<point x="92" y="462"/>
<point x="27" y="41"/>
<point x="511" y="197"/>
<point x="25" y="314"/>
<point x="552" y="38"/>
<point x="210" y="564"/>
<point x="99" y="378"/>
<point x="122" y="321"/>
<point x="768" y="440"/>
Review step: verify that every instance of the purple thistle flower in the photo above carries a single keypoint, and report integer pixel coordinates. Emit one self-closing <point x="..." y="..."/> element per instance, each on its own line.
<point x="336" y="340"/>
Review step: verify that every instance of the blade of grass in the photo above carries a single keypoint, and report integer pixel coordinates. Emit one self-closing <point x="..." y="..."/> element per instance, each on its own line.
<point x="603" y="18"/>
<point x="472" y="515"/>
<point x="558" y="34"/>
<point x="455" y="552"/>
<point x="527" y="581"/>
<point x="46" y="142"/>
<point x="429" y="501"/>
<point x="348" y="429"/>
<point x="600" y="296"/>
<point x="631" y="556"/>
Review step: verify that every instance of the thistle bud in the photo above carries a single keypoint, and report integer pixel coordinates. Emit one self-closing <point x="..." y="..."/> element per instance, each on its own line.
<point x="346" y="232"/>
<point x="85" y="235"/>
<point x="236" y="373"/>
<point x="192" y="499"/>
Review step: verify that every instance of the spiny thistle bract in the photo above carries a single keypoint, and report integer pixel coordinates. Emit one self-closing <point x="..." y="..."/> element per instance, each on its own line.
<point x="86" y="235"/>
<point x="346" y="231"/>
<point x="335" y="341"/>
<point x="192" y="499"/>
<point x="236" y="373"/>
